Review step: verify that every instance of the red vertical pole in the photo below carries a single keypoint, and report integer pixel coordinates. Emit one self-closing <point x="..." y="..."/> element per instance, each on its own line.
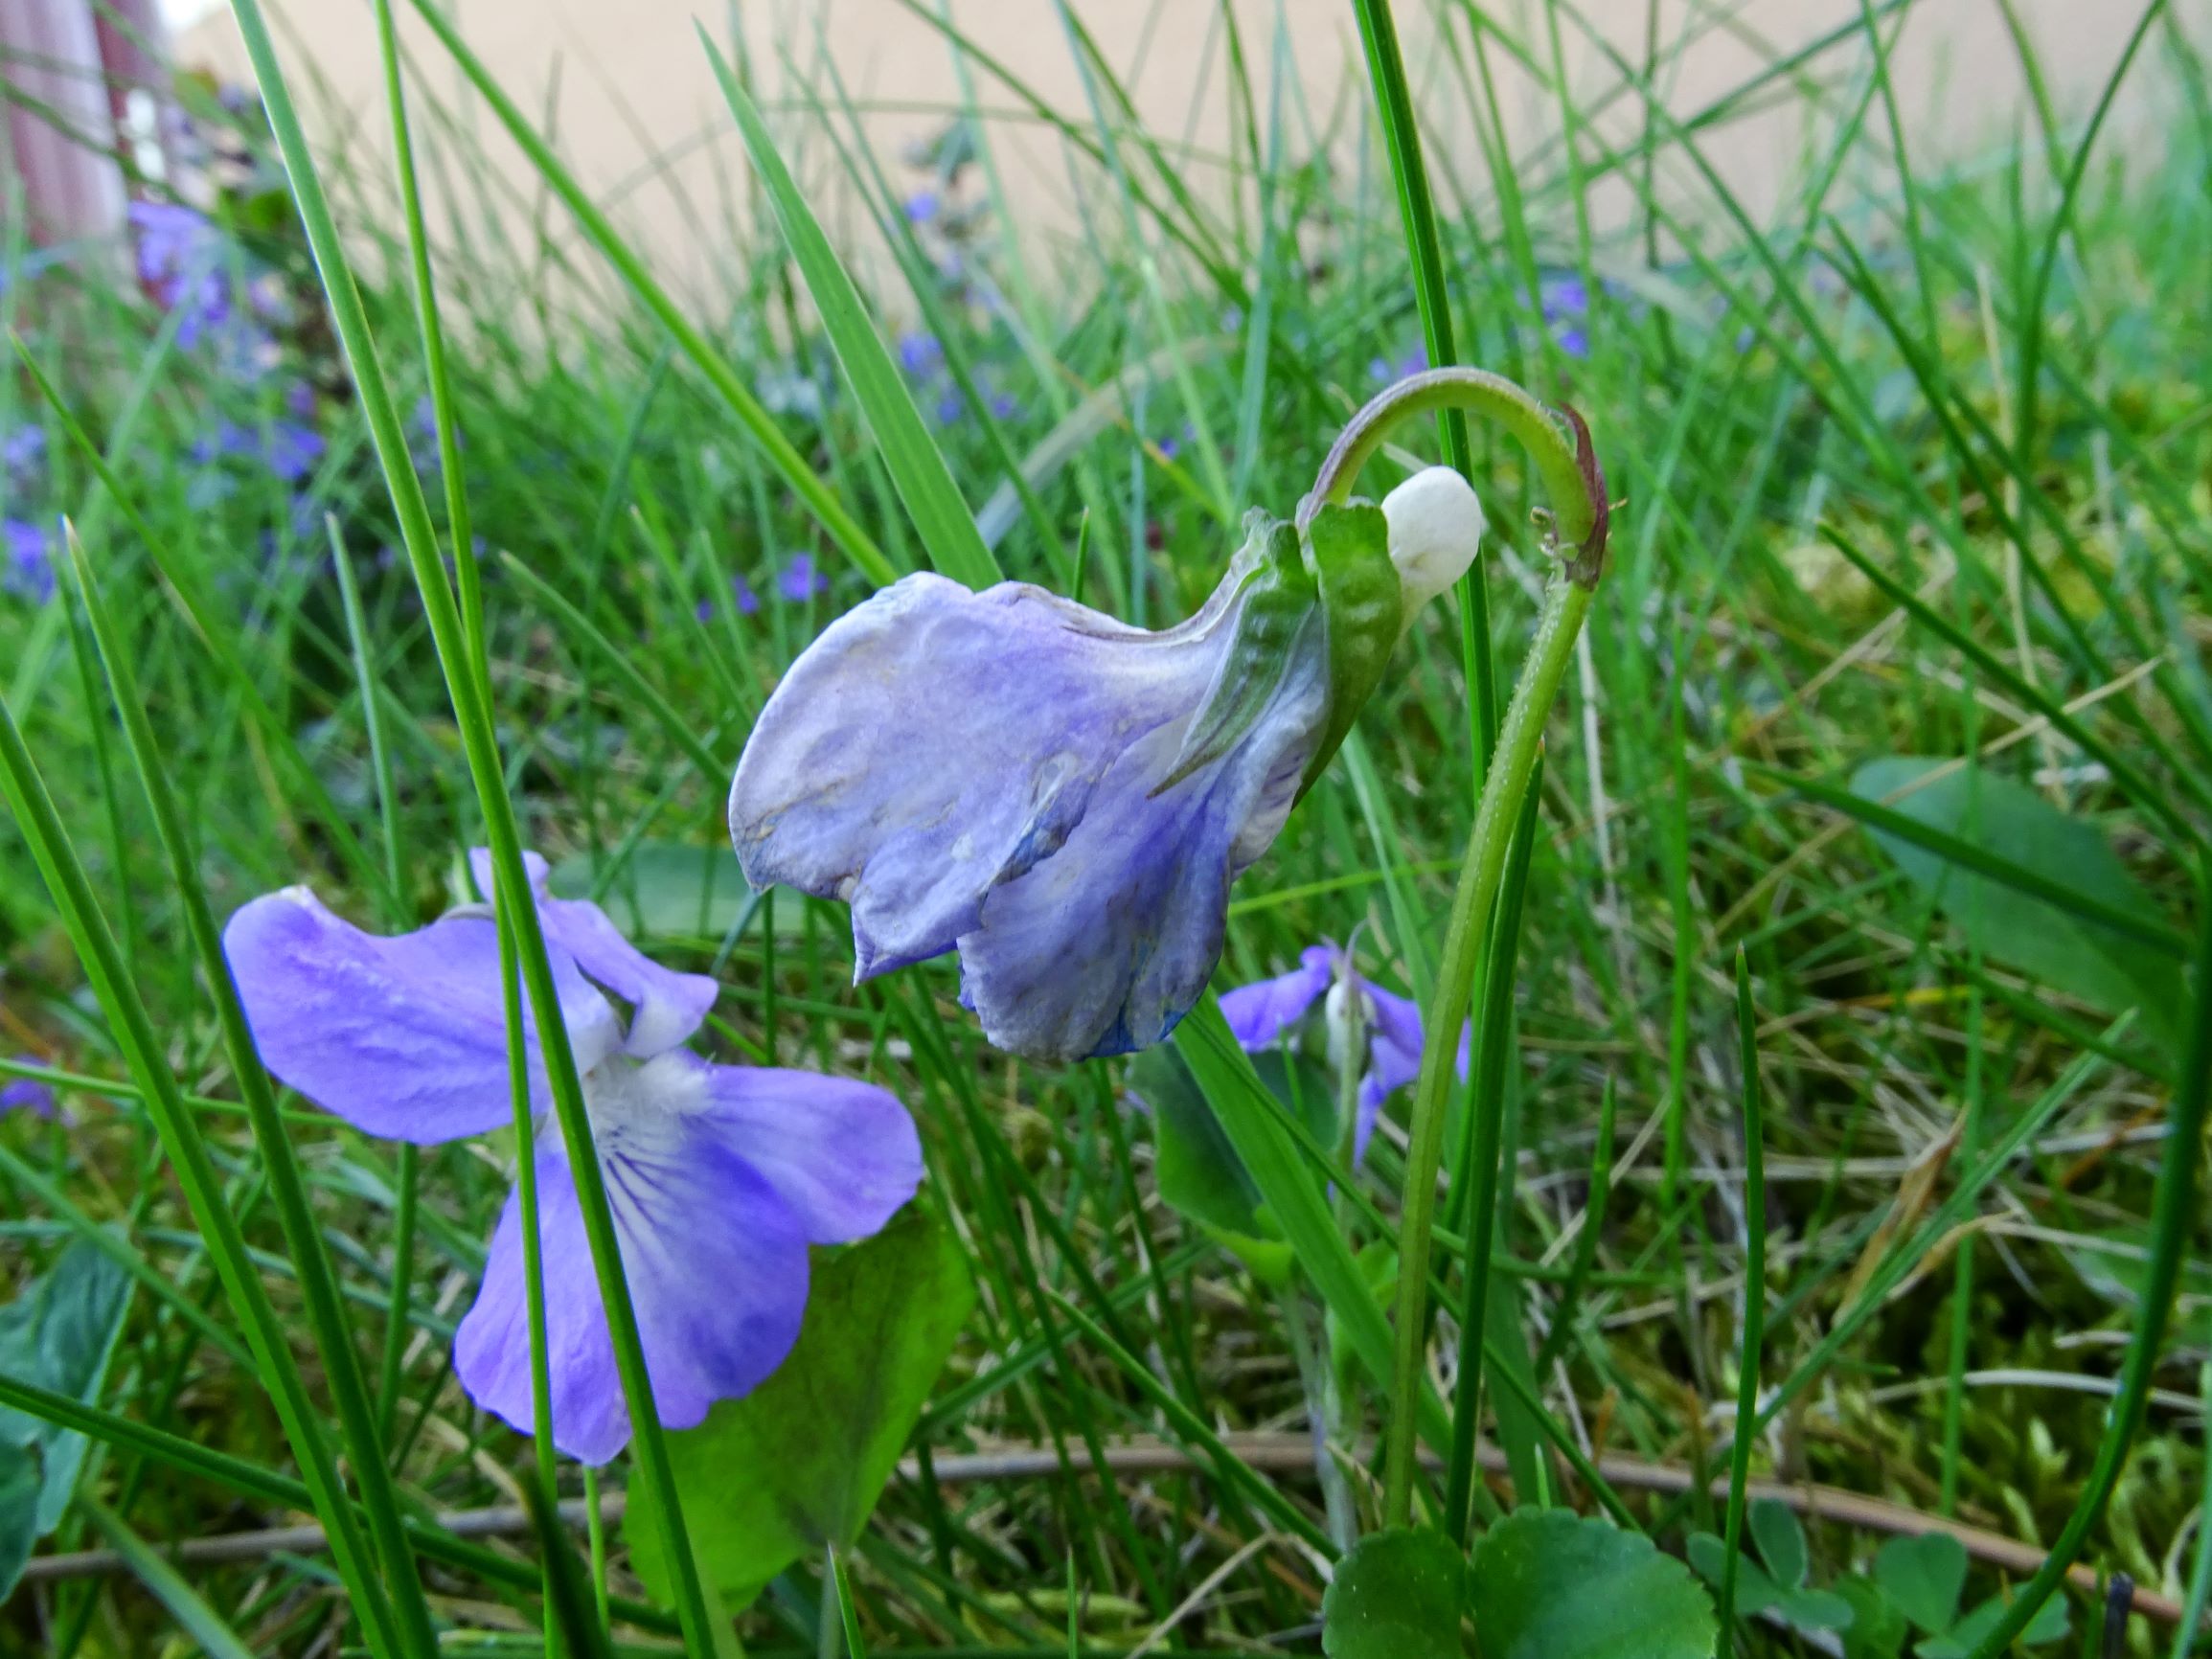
<point x="59" y="131"/>
<point x="134" y="50"/>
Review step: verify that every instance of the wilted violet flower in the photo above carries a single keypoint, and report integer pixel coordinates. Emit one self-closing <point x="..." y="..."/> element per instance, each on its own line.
<point x="720" y="1177"/>
<point x="27" y="1094"/>
<point x="1019" y="777"/>
<point x="1389" y="1031"/>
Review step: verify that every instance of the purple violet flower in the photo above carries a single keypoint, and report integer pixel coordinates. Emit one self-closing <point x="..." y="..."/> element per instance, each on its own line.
<point x="923" y="206"/>
<point x="743" y="596"/>
<point x="30" y="572"/>
<point x="920" y="356"/>
<point x="180" y="254"/>
<point x="1270" y="1011"/>
<point x="1005" y="773"/>
<point x="800" y="582"/>
<point x="1388" y="371"/>
<point x="17" y="1094"/>
<point x="720" y="1177"/>
<point x="22" y="450"/>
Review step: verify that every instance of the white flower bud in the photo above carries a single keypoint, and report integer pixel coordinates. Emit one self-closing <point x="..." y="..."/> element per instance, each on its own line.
<point x="1336" y="1014"/>
<point x="1436" y="527"/>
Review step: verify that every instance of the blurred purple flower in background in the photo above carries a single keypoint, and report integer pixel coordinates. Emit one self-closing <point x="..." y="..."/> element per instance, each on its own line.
<point x="720" y="1177"/>
<point x="799" y="580"/>
<point x="1565" y="302"/>
<point x="1389" y="371"/>
<point x="27" y="1094"/>
<point x="920" y="354"/>
<point x="20" y="452"/>
<point x="923" y="206"/>
<point x="180" y="261"/>
<point x="30" y="572"/>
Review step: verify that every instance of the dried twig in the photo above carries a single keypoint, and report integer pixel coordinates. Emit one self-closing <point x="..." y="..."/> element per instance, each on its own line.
<point x="1267" y="1454"/>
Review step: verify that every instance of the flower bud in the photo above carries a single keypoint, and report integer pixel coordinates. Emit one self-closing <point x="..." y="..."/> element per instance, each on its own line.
<point x="1436" y="527"/>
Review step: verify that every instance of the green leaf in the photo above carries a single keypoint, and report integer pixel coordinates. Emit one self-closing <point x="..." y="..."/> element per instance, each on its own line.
<point x="59" y="1335"/>
<point x="666" y="890"/>
<point x="1200" y="1174"/>
<point x="1922" y="1578"/>
<point x="2069" y="952"/>
<point x="1551" y="1585"/>
<point x="1756" y="1590"/>
<point x="1876" y="1630"/>
<point x="1398" y="1595"/>
<point x="918" y="471"/>
<point x="1362" y="602"/>
<point x="1781" y="1541"/>
<point x="1277" y="606"/>
<point x="797" y="1464"/>
<point x="19" y="1485"/>
<point x="1817" y="1610"/>
<point x="1965" y="1638"/>
<point x="1198" y="1171"/>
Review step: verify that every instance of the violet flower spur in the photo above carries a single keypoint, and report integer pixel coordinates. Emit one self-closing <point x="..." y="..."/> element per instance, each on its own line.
<point x="1066" y="799"/>
<point x="720" y="1177"/>
<point x="1270" y="1011"/>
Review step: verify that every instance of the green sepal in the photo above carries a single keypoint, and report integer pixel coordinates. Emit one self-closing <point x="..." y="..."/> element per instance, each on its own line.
<point x="1361" y="606"/>
<point x="1278" y="602"/>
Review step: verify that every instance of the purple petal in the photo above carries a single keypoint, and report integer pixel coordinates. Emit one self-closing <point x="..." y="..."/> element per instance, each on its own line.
<point x="844" y="1156"/>
<point x="1392" y="1037"/>
<point x="403" y="1038"/>
<point x="1260" y="1014"/>
<point x="988" y="770"/>
<point x="715" y="1261"/>
<point x="666" y="1006"/>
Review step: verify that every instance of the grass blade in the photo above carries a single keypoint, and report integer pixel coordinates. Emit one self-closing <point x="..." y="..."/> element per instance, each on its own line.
<point x="143" y="1052"/>
<point x="464" y="684"/>
<point x="1754" y="1295"/>
<point x="787" y="461"/>
<point x="918" y="471"/>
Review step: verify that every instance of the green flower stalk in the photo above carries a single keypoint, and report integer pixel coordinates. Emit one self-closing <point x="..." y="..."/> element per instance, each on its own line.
<point x="1559" y="444"/>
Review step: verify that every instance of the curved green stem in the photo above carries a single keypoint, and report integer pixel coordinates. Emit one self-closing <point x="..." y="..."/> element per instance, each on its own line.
<point x="1565" y="603"/>
<point x="1576" y="486"/>
<point x="1568" y="468"/>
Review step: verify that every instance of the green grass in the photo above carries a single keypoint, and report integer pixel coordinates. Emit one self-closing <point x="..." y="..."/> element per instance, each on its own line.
<point x="1847" y="528"/>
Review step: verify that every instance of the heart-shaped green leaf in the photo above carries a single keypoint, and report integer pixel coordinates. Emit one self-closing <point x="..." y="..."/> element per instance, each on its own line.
<point x="1922" y="1578"/>
<point x="1877" y="1630"/>
<point x="2067" y="952"/>
<point x="1551" y="1585"/>
<point x="58" y="1334"/>
<point x="798" y="1463"/>
<point x="1398" y="1595"/>
<point x="1756" y="1590"/>
<point x="1781" y="1541"/>
<point x="1963" y="1638"/>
